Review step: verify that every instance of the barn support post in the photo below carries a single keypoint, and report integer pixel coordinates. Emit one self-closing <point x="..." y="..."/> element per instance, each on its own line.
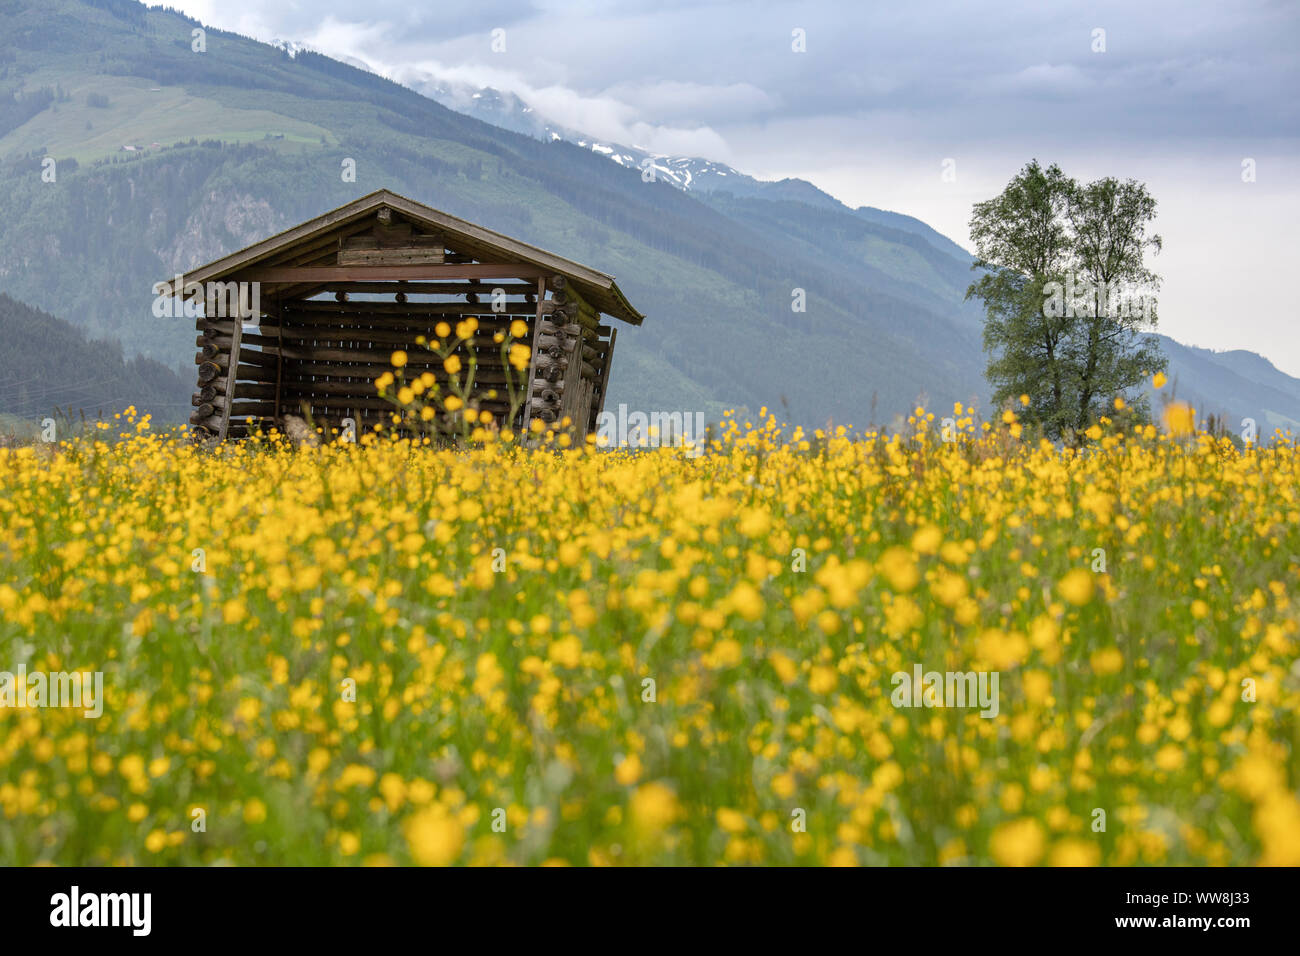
<point x="232" y="373"/>
<point x="603" y="383"/>
<point x="532" y="354"/>
<point x="279" y="358"/>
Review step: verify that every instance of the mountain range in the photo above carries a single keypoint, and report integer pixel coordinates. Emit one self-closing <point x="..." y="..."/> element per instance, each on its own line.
<point x="171" y="148"/>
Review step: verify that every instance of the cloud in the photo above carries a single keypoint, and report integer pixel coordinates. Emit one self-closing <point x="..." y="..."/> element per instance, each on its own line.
<point x="603" y="117"/>
<point x="1043" y="78"/>
<point x="668" y="100"/>
<point x="1168" y="72"/>
<point x="335" y="37"/>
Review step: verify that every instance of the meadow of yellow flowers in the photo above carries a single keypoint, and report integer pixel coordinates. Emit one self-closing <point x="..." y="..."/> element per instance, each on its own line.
<point x="395" y="653"/>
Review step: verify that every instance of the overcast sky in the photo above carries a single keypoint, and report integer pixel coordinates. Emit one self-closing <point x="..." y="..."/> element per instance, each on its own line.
<point x="885" y="93"/>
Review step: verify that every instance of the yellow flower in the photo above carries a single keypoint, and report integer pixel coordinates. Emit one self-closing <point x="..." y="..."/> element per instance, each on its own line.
<point x="733" y="821"/>
<point x="394" y="791"/>
<point x="927" y="540"/>
<point x="842" y="856"/>
<point x="887" y="776"/>
<point x="1077" y="586"/>
<point x="747" y="601"/>
<point x="948" y="588"/>
<point x="783" y="785"/>
<point x="1106" y="661"/>
<point x="356" y="775"/>
<point x="567" y="651"/>
<point x="726" y="653"/>
<point x="254" y="811"/>
<point x="654" y="806"/>
<point x="1038" y="687"/>
<point x="435" y="836"/>
<point x="1001" y="649"/>
<point x="398" y="359"/>
<point x="233" y="611"/>
<point x="899" y="568"/>
<point x="1170" y="757"/>
<point x="785" y="668"/>
<point x="1179" y="418"/>
<point x="1075" y="852"/>
<point x="1019" y="843"/>
<point x="628" y="771"/>
<point x="452" y="364"/>
<point x="822" y="680"/>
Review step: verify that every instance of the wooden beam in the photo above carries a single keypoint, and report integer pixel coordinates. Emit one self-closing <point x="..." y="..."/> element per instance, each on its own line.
<point x="398" y="256"/>
<point x="532" y="356"/>
<point x="279" y="358"/>
<point x="231" y="377"/>
<point x="363" y="309"/>
<point x="603" y="380"/>
<point x="294" y="275"/>
<point x="431" y="288"/>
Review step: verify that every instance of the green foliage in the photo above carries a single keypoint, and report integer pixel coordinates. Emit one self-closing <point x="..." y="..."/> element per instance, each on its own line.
<point x="48" y="368"/>
<point x="1058" y="259"/>
<point x="17" y="106"/>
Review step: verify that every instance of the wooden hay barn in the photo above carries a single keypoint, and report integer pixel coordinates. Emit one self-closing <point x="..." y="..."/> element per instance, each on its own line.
<point x="326" y="303"/>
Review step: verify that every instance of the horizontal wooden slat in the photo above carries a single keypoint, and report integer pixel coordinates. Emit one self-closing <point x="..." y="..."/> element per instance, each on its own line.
<point x="471" y="270"/>
<point x="403" y="256"/>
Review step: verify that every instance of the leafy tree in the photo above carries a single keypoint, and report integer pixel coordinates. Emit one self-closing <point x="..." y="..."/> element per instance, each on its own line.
<point x="1108" y="225"/>
<point x="1022" y="244"/>
<point x="1058" y="259"/>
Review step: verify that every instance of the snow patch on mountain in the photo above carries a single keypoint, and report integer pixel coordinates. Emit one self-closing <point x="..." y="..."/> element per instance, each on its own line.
<point x="291" y="47"/>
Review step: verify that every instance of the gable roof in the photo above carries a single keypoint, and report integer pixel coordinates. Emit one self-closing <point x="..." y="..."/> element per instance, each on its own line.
<point x="596" y="287"/>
